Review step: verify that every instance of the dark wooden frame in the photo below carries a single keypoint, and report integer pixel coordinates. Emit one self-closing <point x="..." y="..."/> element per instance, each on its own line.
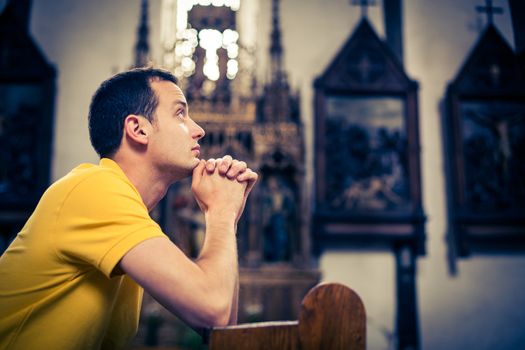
<point x="357" y="229"/>
<point x="470" y="231"/>
<point x="366" y="66"/>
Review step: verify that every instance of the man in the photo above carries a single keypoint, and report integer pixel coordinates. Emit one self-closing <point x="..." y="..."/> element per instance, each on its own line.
<point x="73" y="277"/>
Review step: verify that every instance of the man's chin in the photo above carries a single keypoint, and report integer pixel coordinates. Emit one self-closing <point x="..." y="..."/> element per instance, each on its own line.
<point x="180" y="173"/>
<point x="190" y="169"/>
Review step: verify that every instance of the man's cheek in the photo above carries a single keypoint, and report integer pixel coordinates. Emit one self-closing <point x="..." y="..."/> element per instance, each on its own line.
<point x="184" y="128"/>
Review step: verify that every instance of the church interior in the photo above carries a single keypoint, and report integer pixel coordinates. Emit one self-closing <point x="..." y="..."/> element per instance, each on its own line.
<point x="389" y="137"/>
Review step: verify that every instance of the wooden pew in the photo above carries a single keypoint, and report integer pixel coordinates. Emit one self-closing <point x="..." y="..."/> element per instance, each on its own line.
<point x="332" y="316"/>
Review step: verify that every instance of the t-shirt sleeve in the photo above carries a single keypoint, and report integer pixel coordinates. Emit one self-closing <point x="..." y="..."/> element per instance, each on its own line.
<point x="100" y="220"/>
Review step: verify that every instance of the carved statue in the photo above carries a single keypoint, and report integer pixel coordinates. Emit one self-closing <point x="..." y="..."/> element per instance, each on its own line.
<point x="278" y="210"/>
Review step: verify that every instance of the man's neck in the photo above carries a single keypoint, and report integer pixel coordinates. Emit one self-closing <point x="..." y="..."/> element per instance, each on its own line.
<point x="152" y="187"/>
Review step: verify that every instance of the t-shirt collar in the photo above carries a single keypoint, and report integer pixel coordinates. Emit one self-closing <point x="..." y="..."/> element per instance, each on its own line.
<point x="110" y="163"/>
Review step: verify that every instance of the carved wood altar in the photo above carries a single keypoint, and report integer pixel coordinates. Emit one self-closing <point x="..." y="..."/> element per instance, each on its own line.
<point x="264" y="129"/>
<point x="273" y="237"/>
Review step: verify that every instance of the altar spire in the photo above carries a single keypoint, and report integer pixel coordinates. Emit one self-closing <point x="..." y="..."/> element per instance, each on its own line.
<point x="142" y="46"/>
<point x="278" y="103"/>
<point x="276" y="48"/>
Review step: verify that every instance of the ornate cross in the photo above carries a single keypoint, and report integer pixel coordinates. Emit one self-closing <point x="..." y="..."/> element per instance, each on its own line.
<point x="366" y="68"/>
<point x="364" y="5"/>
<point x="489" y="10"/>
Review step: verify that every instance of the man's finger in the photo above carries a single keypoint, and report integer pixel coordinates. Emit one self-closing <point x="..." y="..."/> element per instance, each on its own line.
<point x="237" y="168"/>
<point x="225" y="164"/>
<point x="198" y="172"/>
<point x="248" y="175"/>
<point x="251" y="179"/>
<point x="210" y="165"/>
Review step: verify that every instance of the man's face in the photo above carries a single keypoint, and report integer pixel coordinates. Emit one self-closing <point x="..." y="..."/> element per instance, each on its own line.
<point x="174" y="139"/>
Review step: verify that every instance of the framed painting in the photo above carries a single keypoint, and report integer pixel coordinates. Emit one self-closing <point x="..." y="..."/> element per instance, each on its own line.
<point x="367" y="167"/>
<point x="484" y="133"/>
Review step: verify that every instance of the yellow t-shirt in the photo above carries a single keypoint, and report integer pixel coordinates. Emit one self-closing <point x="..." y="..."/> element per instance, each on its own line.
<point x="57" y="288"/>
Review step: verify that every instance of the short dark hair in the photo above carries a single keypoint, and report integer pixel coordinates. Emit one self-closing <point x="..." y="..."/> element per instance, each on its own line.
<point x="123" y="94"/>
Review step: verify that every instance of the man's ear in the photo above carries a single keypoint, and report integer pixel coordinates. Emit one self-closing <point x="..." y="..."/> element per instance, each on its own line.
<point x="137" y="128"/>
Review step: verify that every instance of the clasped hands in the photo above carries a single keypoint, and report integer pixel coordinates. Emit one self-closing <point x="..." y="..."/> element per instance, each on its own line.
<point x="223" y="185"/>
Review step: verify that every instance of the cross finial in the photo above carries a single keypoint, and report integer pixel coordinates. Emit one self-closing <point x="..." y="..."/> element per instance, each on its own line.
<point x="489" y="10"/>
<point x="364" y="5"/>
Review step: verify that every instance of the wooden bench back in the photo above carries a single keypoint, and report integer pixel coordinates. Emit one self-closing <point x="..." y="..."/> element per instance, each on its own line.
<point x="332" y="316"/>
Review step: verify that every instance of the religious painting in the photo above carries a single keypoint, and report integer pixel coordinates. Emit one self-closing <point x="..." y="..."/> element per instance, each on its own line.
<point x="493" y="138"/>
<point x="367" y="166"/>
<point x="486" y="177"/>
<point x="365" y="151"/>
<point x="27" y="94"/>
<point x="485" y="151"/>
<point x="20" y="113"/>
<point x="367" y="163"/>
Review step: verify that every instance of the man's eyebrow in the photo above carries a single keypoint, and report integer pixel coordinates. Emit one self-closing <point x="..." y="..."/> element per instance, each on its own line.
<point x="179" y="102"/>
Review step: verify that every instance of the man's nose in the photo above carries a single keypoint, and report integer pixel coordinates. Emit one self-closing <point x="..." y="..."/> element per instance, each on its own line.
<point x="198" y="132"/>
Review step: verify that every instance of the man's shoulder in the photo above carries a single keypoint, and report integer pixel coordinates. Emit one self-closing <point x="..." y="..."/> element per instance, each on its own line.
<point x="90" y="179"/>
<point x="86" y="172"/>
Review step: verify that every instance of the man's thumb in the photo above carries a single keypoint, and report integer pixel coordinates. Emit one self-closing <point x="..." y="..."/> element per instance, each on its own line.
<point x="198" y="171"/>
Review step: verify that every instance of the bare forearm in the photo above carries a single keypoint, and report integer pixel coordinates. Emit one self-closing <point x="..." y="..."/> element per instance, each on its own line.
<point x="218" y="261"/>
<point x="235" y="303"/>
<point x="221" y="193"/>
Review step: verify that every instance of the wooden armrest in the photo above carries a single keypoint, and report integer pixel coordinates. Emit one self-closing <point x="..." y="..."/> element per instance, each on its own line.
<point x="332" y="316"/>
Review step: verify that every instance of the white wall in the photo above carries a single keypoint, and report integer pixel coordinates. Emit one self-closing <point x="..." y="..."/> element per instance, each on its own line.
<point x="482" y="307"/>
<point x="88" y="41"/>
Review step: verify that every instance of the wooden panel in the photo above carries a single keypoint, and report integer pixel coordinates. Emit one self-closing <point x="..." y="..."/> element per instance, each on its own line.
<point x="332" y="317"/>
<point x="256" y="336"/>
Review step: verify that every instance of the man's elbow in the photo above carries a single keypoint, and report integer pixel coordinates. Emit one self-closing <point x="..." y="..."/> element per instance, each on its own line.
<point x="213" y="314"/>
<point x="219" y="314"/>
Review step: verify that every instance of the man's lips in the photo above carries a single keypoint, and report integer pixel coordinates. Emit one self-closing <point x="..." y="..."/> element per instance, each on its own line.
<point x="197" y="149"/>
